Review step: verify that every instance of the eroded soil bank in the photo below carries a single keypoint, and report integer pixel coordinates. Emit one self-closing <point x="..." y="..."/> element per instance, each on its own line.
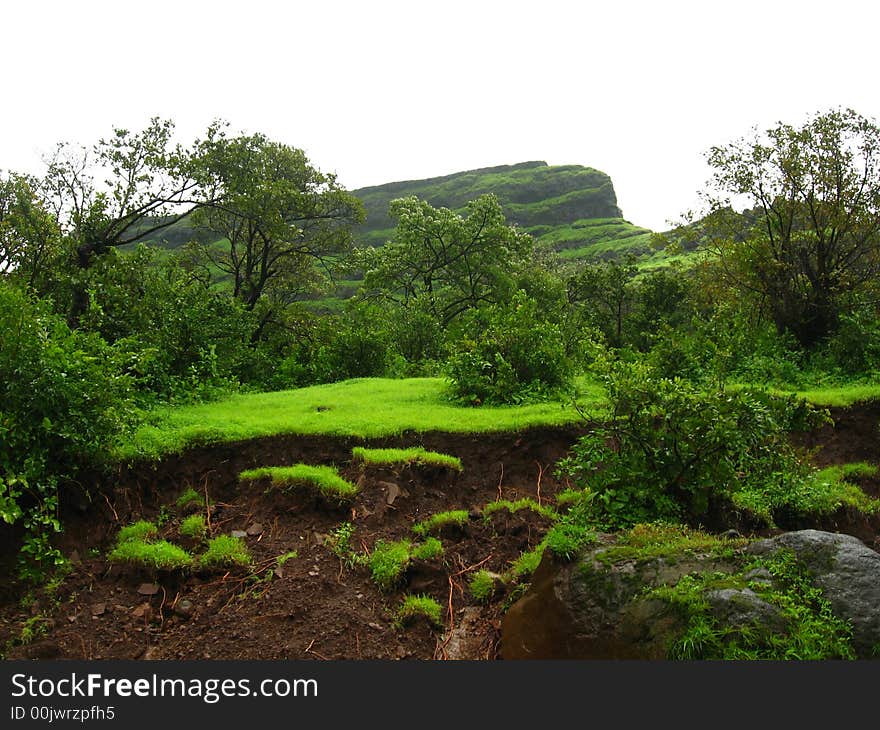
<point x="314" y="606"/>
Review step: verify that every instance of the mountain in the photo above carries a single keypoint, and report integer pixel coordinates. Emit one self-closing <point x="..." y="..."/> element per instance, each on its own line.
<point x="571" y="208"/>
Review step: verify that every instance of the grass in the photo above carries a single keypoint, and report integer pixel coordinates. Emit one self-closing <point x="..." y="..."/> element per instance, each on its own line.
<point x="435" y="523"/>
<point x="324" y="479"/>
<point x="528" y="562"/>
<point x="141" y="531"/>
<point x="414" y="607"/>
<point x="413" y="455"/>
<point x="282" y="559"/>
<point x="482" y="586"/>
<point x="189" y="499"/>
<point x="161" y="555"/>
<point x="520" y="504"/>
<point x="194" y="527"/>
<point x="388" y="563"/>
<point x="820" y="493"/>
<point x="348" y="408"/>
<point x="430" y="549"/>
<point x="225" y="551"/>
<point x="658" y="540"/>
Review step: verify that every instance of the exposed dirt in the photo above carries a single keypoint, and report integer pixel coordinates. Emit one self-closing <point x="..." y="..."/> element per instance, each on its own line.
<point x="314" y="606"/>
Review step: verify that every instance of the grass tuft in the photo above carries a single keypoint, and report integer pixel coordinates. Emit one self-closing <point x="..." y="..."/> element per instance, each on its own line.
<point x="435" y="523"/>
<point x="388" y="563"/>
<point x="323" y="479"/>
<point x="194" y="527"/>
<point x="429" y="550"/>
<point x="189" y="499"/>
<point x="414" y="607"/>
<point x="414" y="455"/>
<point x="225" y="551"/>
<point x="161" y="555"/>
<point x="482" y="585"/>
<point x="526" y="503"/>
<point x="141" y="531"/>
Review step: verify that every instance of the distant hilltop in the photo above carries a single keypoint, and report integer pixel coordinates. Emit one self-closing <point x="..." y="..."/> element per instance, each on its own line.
<point x="569" y="207"/>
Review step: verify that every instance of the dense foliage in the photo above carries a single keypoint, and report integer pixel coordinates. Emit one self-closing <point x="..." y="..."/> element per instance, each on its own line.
<point x="100" y="322"/>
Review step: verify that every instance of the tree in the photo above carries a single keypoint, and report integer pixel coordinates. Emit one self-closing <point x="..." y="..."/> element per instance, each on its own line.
<point x="126" y="188"/>
<point x="808" y="238"/>
<point x="446" y="263"/>
<point x="29" y="235"/>
<point x="279" y="214"/>
<point x="607" y="291"/>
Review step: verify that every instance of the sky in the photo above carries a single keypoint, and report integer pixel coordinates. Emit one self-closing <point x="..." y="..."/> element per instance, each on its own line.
<point x="381" y="91"/>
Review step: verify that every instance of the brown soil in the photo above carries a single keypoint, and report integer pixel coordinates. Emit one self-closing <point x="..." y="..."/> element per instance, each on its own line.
<point x="314" y="606"/>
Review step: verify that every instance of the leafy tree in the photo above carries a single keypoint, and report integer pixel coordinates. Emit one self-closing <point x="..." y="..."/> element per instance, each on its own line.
<point x="125" y="188"/>
<point x="279" y="215"/>
<point x="808" y="238"/>
<point x="606" y="291"/>
<point x="445" y="263"/>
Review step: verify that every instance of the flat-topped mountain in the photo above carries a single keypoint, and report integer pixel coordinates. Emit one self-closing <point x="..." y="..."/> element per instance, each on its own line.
<point x="569" y="207"/>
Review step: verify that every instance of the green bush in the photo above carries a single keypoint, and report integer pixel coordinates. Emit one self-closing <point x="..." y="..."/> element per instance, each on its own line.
<point x="63" y="402"/>
<point x="512" y="356"/>
<point x="670" y="449"/>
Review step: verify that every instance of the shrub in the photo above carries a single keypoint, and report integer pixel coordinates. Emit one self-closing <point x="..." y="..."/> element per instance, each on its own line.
<point x="669" y="450"/>
<point x="512" y="357"/>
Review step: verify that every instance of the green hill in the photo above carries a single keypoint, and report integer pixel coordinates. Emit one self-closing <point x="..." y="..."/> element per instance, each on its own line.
<point x="571" y="208"/>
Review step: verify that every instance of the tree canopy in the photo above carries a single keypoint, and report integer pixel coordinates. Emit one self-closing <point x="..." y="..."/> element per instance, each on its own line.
<point x="808" y="239"/>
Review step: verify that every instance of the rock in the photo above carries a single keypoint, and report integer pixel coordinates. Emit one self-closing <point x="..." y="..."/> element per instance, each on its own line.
<point x="391" y="493"/>
<point x="470" y="637"/>
<point x="377" y="627"/>
<point x="239" y="533"/>
<point x="148" y="589"/>
<point x="592" y="608"/>
<point x="99" y="609"/>
<point x="847" y="572"/>
<point x="255" y="529"/>
<point x="183" y="608"/>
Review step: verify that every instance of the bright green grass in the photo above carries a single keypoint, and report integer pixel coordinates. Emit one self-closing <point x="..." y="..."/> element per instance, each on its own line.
<point x="430" y="549"/>
<point x="325" y="479"/>
<point x="525" y="503"/>
<point x="225" y="551"/>
<point x="414" y="455"/>
<point x="388" y="562"/>
<point x="349" y="408"/>
<point x="413" y="607"/>
<point x="141" y="530"/>
<point x="160" y="555"/>
<point x="457" y="517"/>
<point x="194" y="527"/>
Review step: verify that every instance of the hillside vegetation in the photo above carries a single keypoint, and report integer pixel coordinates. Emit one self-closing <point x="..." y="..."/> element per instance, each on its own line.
<point x="571" y="208"/>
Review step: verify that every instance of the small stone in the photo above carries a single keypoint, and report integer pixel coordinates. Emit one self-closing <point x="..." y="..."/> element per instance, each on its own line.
<point x="99" y="609"/>
<point x="72" y="618"/>
<point x="279" y="572"/>
<point x="255" y="529"/>
<point x="239" y="533"/>
<point x="732" y="535"/>
<point x="376" y="626"/>
<point x="183" y="608"/>
<point x="148" y="589"/>
<point x="314" y="573"/>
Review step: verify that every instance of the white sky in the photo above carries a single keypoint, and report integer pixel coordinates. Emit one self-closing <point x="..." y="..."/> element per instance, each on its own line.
<point x="380" y="90"/>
